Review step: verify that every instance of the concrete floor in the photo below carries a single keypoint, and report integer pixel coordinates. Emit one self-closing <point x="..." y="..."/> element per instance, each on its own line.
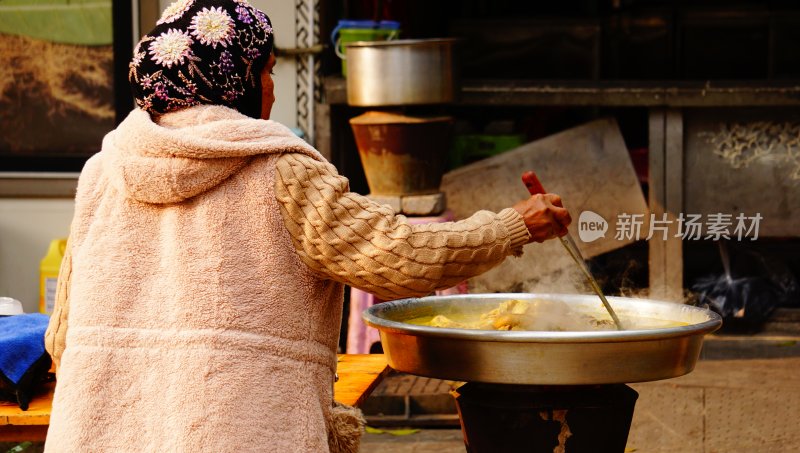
<point x="446" y="440"/>
<point x="726" y="405"/>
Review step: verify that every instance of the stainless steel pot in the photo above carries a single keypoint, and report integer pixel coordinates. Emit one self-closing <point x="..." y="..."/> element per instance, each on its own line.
<point x="545" y="358"/>
<point x="401" y="72"/>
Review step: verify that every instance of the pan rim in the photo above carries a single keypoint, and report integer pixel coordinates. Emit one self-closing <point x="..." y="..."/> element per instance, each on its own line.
<point x="371" y="318"/>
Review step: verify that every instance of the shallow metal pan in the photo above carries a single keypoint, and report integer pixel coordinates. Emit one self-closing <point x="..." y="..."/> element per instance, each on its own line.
<point x="537" y="357"/>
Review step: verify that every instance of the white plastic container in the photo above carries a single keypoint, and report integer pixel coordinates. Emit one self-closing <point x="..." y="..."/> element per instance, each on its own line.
<point x="10" y="306"/>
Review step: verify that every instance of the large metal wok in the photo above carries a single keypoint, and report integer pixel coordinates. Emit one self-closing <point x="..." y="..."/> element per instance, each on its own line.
<point x="541" y="357"/>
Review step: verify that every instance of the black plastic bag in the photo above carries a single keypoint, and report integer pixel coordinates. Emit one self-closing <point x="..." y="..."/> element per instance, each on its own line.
<point x="751" y="287"/>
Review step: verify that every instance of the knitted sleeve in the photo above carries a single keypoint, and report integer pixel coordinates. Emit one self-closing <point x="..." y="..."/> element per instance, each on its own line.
<point x="56" y="334"/>
<point x="354" y="240"/>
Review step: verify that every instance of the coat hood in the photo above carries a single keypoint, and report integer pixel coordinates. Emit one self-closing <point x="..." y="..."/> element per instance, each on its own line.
<point x="188" y="152"/>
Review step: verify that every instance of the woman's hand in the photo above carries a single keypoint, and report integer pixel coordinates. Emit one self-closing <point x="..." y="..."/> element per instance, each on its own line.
<point x="544" y="216"/>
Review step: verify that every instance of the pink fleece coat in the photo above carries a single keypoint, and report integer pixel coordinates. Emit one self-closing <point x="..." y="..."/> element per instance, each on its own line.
<point x="191" y="338"/>
<point x="203" y="287"/>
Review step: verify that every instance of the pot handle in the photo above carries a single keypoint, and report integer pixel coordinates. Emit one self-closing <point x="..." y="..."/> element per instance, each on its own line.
<point x="337" y="41"/>
<point x="337" y="49"/>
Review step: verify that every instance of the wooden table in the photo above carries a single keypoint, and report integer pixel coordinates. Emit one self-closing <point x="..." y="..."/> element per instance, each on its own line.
<point x="359" y="374"/>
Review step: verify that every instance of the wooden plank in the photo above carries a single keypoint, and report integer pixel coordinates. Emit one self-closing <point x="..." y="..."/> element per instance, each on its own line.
<point x="626" y="94"/>
<point x="17" y="425"/>
<point x="38" y="412"/>
<point x="359" y="374"/>
<point x="608" y="93"/>
<point x="665" y="184"/>
<point x="657" y="199"/>
<point x="673" y="197"/>
<point x="38" y="185"/>
<point x="588" y="166"/>
<point x="13" y="433"/>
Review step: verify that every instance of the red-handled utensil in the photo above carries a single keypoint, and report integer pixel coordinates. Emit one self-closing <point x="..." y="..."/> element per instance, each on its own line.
<point x="534" y="186"/>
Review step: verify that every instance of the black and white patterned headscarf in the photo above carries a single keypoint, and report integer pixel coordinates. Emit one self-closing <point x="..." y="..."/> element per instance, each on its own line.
<point x="203" y="52"/>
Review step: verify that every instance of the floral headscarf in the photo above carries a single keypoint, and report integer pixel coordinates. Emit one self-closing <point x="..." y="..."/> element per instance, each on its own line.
<point x="202" y="52"/>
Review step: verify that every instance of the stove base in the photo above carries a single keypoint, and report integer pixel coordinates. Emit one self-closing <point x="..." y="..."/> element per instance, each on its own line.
<point x="499" y="418"/>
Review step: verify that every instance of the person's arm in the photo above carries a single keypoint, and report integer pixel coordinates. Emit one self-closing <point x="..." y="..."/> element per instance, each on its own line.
<point x="56" y="335"/>
<point x="354" y="240"/>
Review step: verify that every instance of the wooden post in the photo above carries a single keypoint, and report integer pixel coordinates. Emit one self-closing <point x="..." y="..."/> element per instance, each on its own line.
<point x="666" y="197"/>
<point x="322" y="130"/>
<point x="149" y="12"/>
<point x="674" y="204"/>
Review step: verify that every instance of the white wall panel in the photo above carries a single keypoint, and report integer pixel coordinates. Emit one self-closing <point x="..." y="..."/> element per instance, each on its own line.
<point x="26" y="228"/>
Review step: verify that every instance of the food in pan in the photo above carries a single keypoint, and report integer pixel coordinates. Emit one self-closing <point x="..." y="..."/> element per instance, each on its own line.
<point x="537" y="315"/>
<point x="507" y="316"/>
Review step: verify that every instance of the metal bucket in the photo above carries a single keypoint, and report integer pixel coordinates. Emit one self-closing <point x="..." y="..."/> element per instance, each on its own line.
<point x="401" y="72"/>
<point x="348" y="31"/>
<point x="402" y="155"/>
<point x="541" y="357"/>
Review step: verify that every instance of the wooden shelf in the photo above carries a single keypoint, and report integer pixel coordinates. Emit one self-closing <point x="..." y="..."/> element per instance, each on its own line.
<point x="610" y="93"/>
<point x="38" y="185"/>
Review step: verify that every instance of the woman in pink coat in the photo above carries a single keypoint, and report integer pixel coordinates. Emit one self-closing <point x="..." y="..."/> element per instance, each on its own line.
<point x="200" y="300"/>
